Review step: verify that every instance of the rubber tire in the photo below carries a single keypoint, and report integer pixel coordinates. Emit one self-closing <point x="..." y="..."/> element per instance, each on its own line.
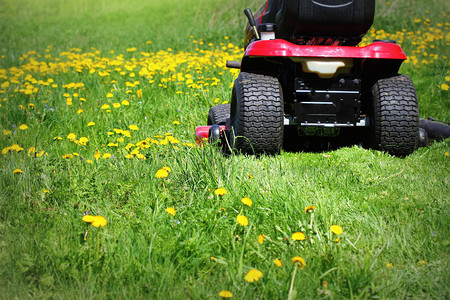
<point x="219" y="114"/>
<point x="257" y="114"/>
<point x="396" y="115"/>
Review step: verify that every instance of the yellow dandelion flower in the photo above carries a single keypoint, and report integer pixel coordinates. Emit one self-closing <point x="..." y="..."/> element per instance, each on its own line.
<point x="89" y="161"/>
<point x="167" y="169"/>
<point x="220" y="191"/>
<point x="67" y="156"/>
<point x="253" y="275"/>
<point x="88" y="218"/>
<point x="139" y="94"/>
<point x="176" y="123"/>
<point x="213" y="258"/>
<point x="133" y="127"/>
<point x="6" y="132"/>
<point x="243" y="220"/>
<point x="17" y="171"/>
<point x="277" y="262"/>
<point x="79" y="111"/>
<point x="90" y="124"/>
<point x="161" y="173"/>
<point x="250" y="176"/>
<point x="298" y="236"/>
<point x="422" y="263"/>
<point x="297" y="260"/>
<point x="125" y="103"/>
<point x="84" y="140"/>
<point x="225" y="294"/>
<point x="71" y="136"/>
<point x="261" y="238"/>
<point x="171" y="211"/>
<point x="106" y="155"/>
<point x="444" y="86"/>
<point x="336" y="229"/>
<point x="310" y="208"/>
<point x="23" y="127"/>
<point x="109" y="95"/>
<point x="247" y="201"/>
<point x="116" y="105"/>
<point x="389" y="266"/>
<point x="99" y="221"/>
<point x="105" y="106"/>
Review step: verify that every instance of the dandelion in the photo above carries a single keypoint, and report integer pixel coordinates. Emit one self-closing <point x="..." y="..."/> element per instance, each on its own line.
<point x="389" y="266"/>
<point x="6" y="132"/>
<point x="105" y="106"/>
<point x="243" y="220"/>
<point x="133" y="127"/>
<point x="278" y="262"/>
<point x="247" y="201"/>
<point x="171" y="211"/>
<point x="23" y="127"/>
<point x="97" y="221"/>
<point x="167" y="169"/>
<point x="17" y="171"/>
<point x="422" y="263"/>
<point x="106" y="155"/>
<point x="336" y="229"/>
<point x="88" y="218"/>
<point x="310" y="208"/>
<point x="176" y="123"/>
<point x="68" y="156"/>
<point x="225" y="294"/>
<point x="250" y="176"/>
<point x="220" y="191"/>
<point x="125" y="103"/>
<point x="444" y="86"/>
<point x="109" y="95"/>
<point x="261" y="238"/>
<point x="139" y="94"/>
<point x="253" y="275"/>
<point x="83" y="140"/>
<point x="299" y="261"/>
<point x="90" y="124"/>
<point x="71" y="136"/>
<point x="298" y="236"/>
<point x="161" y="173"/>
<point x="116" y="105"/>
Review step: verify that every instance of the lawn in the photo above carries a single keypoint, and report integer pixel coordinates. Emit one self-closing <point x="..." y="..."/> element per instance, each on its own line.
<point x="105" y="194"/>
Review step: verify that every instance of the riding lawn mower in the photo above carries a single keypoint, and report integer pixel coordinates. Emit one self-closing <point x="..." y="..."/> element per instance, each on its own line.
<point x="303" y="78"/>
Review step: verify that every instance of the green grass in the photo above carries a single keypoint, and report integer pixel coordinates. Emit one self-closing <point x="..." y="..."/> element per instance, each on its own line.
<point x="393" y="211"/>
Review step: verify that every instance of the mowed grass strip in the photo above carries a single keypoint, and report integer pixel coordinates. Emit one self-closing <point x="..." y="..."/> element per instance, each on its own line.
<point x="104" y="193"/>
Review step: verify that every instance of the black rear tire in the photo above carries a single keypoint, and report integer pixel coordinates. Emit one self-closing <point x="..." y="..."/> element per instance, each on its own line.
<point x="395" y="126"/>
<point x="219" y="114"/>
<point x="257" y="114"/>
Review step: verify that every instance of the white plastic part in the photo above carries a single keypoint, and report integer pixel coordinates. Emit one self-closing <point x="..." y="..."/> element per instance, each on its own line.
<point x="268" y="35"/>
<point x="324" y="67"/>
